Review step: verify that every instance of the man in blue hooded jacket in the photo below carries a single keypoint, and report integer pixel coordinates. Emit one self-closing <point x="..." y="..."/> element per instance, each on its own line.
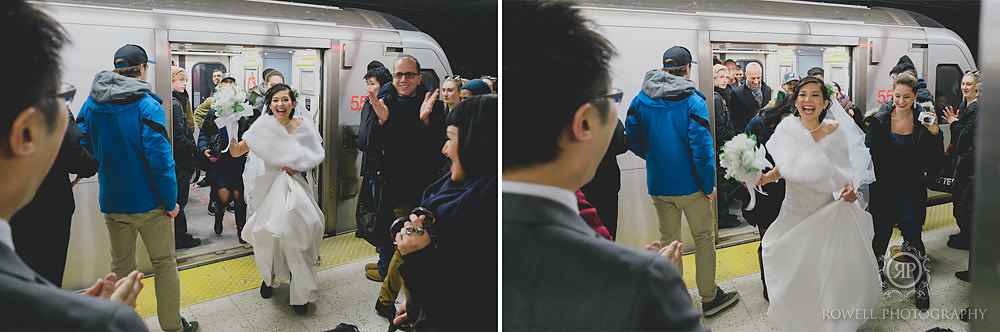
<point x="123" y="124"/>
<point x="667" y="125"/>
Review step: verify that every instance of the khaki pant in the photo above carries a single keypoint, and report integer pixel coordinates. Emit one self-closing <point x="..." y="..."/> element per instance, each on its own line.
<point x="157" y="233"/>
<point x="698" y="211"/>
<point x="393" y="280"/>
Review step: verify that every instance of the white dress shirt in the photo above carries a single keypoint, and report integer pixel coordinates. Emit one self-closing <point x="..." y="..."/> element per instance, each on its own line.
<point x="560" y="195"/>
<point x="5" y="236"/>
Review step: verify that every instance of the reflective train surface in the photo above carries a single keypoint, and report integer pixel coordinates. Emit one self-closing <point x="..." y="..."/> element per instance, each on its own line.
<point x="322" y="52"/>
<point x="856" y="46"/>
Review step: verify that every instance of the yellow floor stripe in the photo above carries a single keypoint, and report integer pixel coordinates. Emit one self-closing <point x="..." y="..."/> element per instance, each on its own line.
<point x="229" y="277"/>
<point x="741" y="260"/>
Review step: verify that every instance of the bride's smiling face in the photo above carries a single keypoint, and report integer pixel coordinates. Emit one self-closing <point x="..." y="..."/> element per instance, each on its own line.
<point x="810" y="102"/>
<point x="282" y="105"/>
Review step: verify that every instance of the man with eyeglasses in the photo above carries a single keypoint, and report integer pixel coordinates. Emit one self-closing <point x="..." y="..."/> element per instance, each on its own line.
<point x="409" y="135"/>
<point x="558" y="273"/>
<point x="123" y="123"/>
<point x="668" y="126"/>
<point x="33" y="122"/>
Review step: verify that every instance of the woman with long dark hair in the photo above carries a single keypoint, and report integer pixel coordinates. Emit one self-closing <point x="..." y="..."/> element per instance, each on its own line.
<point x="903" y="149"/>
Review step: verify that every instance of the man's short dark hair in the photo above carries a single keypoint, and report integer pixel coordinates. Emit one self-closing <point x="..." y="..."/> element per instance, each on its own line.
<point x="815" y="71"/>
<point x="739" y="67"/>
<point x="728" y="61"/>
<point x="35" y="63"/>
<point x="548" y="35"/>
<point x="217" y="70"/>
<point x="476" y="119"/>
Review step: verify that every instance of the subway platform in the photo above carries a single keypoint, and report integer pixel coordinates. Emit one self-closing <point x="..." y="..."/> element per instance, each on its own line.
<point x="223" y="294"/>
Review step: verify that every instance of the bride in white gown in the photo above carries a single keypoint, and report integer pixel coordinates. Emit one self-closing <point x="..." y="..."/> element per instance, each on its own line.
<point x="287" y="225"/>
<point x="821" y="273"/>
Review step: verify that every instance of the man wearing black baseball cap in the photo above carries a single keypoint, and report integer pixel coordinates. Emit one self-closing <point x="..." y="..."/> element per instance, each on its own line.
<point x="668" y="126"/>
<point x="123" y="123"/>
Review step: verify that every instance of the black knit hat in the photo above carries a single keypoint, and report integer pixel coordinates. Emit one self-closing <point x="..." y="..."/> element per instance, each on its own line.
<point x="477" y="87"/>
<point x="379" y="72"/>
<point x="904" y="64"/>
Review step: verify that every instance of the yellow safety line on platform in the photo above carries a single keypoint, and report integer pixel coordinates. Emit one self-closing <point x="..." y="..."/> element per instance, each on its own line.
<point x="232" y="276"/>
<point x="741" y="260"/>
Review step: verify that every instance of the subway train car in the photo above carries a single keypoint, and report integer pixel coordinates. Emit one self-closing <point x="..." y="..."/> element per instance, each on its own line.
<point x="857" y="47"/>
<point x="322" y="51"/>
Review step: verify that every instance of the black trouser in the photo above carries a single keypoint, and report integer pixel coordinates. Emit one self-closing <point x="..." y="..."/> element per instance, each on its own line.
<point x="962" y="209"/>
<point x="905" y="208"/>
<point x="760" y="258"/>
<point x="183" y="189"/>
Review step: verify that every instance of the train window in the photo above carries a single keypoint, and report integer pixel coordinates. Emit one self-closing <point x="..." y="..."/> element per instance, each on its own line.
<point x="201" y="80"/>
<point x="948" y="89"/>
<point x="429" y="79"/>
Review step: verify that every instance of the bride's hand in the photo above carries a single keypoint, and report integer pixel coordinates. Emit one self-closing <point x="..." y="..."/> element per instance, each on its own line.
<point x="825" y="128"/>
<point x="288" y="170"/>
<point x="849" y="194"/>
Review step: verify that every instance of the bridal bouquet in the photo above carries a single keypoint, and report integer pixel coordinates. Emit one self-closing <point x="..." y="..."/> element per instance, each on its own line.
<point x="743" y="161"/>
<point x="230" y="104"/>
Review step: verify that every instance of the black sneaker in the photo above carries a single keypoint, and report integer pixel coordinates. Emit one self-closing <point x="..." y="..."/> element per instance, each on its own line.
<point x="387" y="311"/>
<point x="189" y="327"/>
<point x="962" y="275"/>
<point x="231" y="207"/>
<point x="265" y="291"/>
<point x="186" y="241"/>
<point x="211" y="208"/>
<point x="721" y="302"/>
<point x="728" y="221"/>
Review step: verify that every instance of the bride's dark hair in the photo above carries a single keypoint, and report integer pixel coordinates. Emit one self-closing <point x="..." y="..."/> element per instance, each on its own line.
<point x="273" y="91"/>
<point x="822" y="88"/>
<point x="772" y="115"/>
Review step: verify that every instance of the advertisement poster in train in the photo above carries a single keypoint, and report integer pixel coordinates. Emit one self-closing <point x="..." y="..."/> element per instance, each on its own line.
<point x="250" y="74"/>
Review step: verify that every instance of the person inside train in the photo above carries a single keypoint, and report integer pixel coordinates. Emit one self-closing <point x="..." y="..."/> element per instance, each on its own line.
<point x="902" y="149"/>
<point x="962" y="150"/>
<point x="731" y="64"/>
<point x="451" y="87"/>
<point x="739" y="75"/>
<point x="816" y="72"/>
<point x="216" y="78"/>
<point x="123" y="123"/>
<point x="923" y="94"/>
<point x="463" y="205"/>
<point x="845" y="101"/>
<point x="410" y="127"/>
<point x="787" y="83"/>
<point x="749" y="97"/>
<point x="287" y="225"/>
<point x="33" y="124"/>
<point x="228" y="186"/>
<point x="556" y="254"/>
<point x="184" y="149"/>
<point x="368" y="204"/>
<point x="724" y="131"/>
<point x="256" y="96"/>
<point x="680" y="164"/>
<point x="473" y="88"/>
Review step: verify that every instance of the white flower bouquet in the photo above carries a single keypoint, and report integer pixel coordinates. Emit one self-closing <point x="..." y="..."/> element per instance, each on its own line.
<point x="744" y="162"/>
<point x="230" y="104"/>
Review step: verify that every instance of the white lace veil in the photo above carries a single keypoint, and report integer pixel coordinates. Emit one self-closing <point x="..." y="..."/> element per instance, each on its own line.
<point x="861" y="159"/>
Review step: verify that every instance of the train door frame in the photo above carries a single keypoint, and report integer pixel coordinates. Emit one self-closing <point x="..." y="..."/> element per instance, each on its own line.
<point x="327" y="112"/>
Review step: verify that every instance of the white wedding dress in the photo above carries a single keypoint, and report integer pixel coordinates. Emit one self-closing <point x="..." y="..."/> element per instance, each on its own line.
<point x="287" y="224"/>
<point x="817" y="253"/>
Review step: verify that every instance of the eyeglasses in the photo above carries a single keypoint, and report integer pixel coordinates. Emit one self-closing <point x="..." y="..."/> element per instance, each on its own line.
<point x="974" y="72"/>
<point x="408" y="75"/>
<point x="453" y="77"/>
<point x="615" y="94"/>
<point x="67" y="92"/>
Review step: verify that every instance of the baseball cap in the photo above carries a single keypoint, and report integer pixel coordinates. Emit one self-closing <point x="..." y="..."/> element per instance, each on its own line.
<point x="226" y="76"/>
<point x="133" y="55"/>
<point x="791" y="76"/>
<point x="680" y="56"/>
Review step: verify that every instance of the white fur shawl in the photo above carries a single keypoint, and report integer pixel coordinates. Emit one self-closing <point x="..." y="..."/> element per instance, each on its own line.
<point x="823" y="166"/>
<point x="302" y="150"/>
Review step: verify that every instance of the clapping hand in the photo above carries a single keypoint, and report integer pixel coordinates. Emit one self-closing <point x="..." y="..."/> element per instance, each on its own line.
<point x="428" y="106"/>
<point x="378" y="105"/>
<point x="824" y="129"/>
<point x="125" y="290"/>
<point x="672" y="251"/>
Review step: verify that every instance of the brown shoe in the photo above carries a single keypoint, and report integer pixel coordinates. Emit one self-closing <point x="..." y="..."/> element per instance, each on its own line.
<point x="373" y="275"/>
<point x="371" y="266"/>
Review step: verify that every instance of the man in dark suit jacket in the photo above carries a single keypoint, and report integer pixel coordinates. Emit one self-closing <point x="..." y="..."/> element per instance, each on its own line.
<point x="748" y="98"/>
<point x="559" y="274"/>
<point x="33" y="122"/>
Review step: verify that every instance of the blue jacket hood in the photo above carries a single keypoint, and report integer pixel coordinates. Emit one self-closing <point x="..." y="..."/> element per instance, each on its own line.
<point x="111" y="88"/>
<point x="659" y="84"/>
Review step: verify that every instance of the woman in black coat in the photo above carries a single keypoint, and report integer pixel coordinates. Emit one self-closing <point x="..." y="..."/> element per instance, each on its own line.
<point x="369" y="196"/>
<point x="767" y="206"/>
<point x="902" y="150"/>
<point x="963" y="156"/>
<point x="41" y="229"/>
